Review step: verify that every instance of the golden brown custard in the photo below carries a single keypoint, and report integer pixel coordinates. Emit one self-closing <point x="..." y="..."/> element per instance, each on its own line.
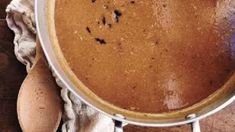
<point x="148" y="55"/>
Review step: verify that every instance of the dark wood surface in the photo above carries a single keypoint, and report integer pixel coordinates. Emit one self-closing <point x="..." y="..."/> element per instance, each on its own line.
<point x="3" y="4"/>
<point x="12" y="74"/>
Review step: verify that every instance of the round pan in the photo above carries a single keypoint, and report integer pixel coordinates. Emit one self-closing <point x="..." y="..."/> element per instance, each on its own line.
<point x="44" y="10"/>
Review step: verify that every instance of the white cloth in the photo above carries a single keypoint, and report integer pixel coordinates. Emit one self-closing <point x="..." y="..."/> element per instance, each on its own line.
<point x="77" y="116"/>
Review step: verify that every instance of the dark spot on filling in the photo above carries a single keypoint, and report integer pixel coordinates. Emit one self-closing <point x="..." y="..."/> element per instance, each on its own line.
<point x="152" y="58"/>
<point x="110" y="25"/>
<point x="101" y="41"/>
<point x="164" y="5"/>
<point x="88" y="29"/>
<point x="103" y="20"/>
<point x="117" y="15"/>
<point x="120" y="45"/>
<point x="156" y="42"/>
<point x="134" y="87"/>
<point x="93" y="1"/>
<point x="132" y="2"/>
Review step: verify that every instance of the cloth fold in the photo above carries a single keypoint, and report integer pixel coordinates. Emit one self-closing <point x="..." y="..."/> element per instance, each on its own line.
<point x="77" y="116"/>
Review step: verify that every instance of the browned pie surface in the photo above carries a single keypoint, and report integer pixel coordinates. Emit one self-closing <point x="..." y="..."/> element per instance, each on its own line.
<point x="147" y="56"/>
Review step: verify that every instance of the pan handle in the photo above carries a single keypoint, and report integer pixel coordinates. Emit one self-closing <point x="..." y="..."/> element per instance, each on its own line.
<point x="195" y="125"/>
<point x="118" y="126"/>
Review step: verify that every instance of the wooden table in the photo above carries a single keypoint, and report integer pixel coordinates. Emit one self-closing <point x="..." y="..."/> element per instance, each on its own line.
<point x="3" y="4"/>
<point x="12" y="74"/>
